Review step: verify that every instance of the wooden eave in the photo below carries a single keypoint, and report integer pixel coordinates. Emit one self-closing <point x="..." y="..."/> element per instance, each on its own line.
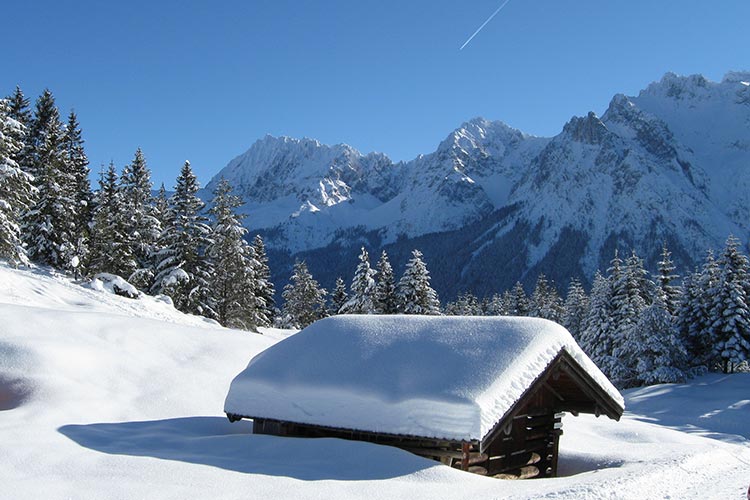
<point x="374" y="435"/>
<point x="574" y="389"/>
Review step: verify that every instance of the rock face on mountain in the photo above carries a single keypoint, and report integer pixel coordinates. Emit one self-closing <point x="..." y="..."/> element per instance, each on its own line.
<point x="493" y="205"/>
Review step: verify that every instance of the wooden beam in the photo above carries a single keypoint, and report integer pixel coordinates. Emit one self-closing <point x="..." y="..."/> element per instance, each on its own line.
<point x="554" y="392"/>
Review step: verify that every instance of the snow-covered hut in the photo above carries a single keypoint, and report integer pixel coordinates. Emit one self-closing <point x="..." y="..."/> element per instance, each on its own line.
<point x="481" y="393"/>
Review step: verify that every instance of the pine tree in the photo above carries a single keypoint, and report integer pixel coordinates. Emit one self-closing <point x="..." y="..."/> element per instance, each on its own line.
<point x="18" y="110"/>
<point x="362" y="299"/>
<point x="470" y="305"/>
<point x="517" y="303"/>
<point x="414" y="290"/>
<point x="659" y="353"/>
<point x="669" y="293"/>
<point x="44" y="123"/>
<point x="575" y="309"/>
<point x="598" y="328"/>
<point x="143" y="224"/>
<point x="78" y="188"/>
<point x="339" y="297"/>
<point x="386" y="299"/>
<point x="304" y="299"/>
<point x="466" y="304"/>
<point x="265" y="290"/>
<point x="545" y="301"/>
<point x="49" y="229"/>
<point x="694" y="314"/>
<point x="18" y="107"/>
<point x="183" y="272"/>
<point x="233" y="282"/>
<point x="15" y="188"/>
<point x="730" y="315"/>
<point x="162" y="211"/>
<point x="628" y="304"/>
<point x="110" y="251"/>
<point x="496" y="306"/>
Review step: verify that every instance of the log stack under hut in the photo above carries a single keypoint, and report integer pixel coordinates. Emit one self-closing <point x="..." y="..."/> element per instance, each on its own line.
<point x="482" y="394"/>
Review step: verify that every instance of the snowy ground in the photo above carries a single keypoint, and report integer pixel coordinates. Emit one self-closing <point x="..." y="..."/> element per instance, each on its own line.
<point x="107" y="397"/>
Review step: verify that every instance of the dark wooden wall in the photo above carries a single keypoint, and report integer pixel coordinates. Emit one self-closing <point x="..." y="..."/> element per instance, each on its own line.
<point x="529" y="446"/>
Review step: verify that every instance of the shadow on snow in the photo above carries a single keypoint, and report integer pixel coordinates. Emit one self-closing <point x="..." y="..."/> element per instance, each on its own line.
<point x="213" y="441"/>
<point x="715" y="406"/>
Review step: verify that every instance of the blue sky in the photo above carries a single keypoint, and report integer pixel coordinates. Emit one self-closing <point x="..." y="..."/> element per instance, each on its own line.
<point x="203" y="80"/>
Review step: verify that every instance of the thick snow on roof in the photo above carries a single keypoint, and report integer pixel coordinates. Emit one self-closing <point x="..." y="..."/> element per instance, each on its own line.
<point x="441" y="377"/>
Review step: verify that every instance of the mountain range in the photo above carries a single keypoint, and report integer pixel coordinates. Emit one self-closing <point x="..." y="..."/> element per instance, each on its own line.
<point x="494" y="205"/>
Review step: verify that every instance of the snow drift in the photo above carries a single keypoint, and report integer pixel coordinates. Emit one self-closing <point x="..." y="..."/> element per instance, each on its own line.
<point x="123" y="399"/>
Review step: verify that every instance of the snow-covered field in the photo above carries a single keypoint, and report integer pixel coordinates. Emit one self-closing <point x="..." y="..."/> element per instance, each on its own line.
<point x="107" y="397"/>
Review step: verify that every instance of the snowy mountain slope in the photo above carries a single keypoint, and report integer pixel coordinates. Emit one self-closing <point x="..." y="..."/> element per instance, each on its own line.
<point x="111" y="402"/>
<point x="625" y="179"/>
<point x="671" y="164"/>
<point x="712" y="119"/>
<point x="306" y="193"/>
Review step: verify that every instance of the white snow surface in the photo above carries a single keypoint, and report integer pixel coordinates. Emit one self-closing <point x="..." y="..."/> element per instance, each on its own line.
<point x="446" y="377"/>
<point x="107" y="397"/>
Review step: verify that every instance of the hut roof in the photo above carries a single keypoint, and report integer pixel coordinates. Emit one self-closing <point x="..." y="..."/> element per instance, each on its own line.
<point x="451" y="378"/>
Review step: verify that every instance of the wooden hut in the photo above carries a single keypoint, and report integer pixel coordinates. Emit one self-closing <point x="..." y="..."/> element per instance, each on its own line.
<point x="484" y="394"/>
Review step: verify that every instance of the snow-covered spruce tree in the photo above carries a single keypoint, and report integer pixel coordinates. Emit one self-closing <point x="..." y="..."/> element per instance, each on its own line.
<point x="598" y="329"/>
<point x="470" y="304"/>
<point x="362" y="297"/>
<point x="182" y="270"/>
<point x="339" y="297"/>
<point x="18" y="110"/>
<point x="265" y="290"/>
<point x="15" y="188"/>
<point x="78" y="165"/>
<point x="659" y="353"/>
<point x="668" y="291"/>
<point x="386" y="299"/>
<point x="304" y="299"/>
<point x="694" y="315"/>
<point x="233" y="281"/>
<point x="628" y="304"/>
<point x="517" y="303"/>
<point x="161" y="207"/>
<point x="416" y="296"/>
<point x="451" y="308"/>
<point x="49" y="226"/>
<point x="44" y="122"/>
<point x="143" y="224"/>
<point x="545" y="301"/>
<point x="18" y="107"/>
<point x="575" y="309"/>
<point x="109" y="249"/>
<point x="484" y="306"/>
<point x="730" y="315"/>
<point x="496" y="305"/>
<point x="466" y="304"/>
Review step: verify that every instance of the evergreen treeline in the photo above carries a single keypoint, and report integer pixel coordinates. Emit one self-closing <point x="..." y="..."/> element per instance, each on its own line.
<point x="642" y="329"/>
<point x="372" y="291"/>
<point x="49" y="215"/>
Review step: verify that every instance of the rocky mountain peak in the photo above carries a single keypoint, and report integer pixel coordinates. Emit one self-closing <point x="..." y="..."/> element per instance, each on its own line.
<point x="588" y="130"/>
<point x="737" y="77"/>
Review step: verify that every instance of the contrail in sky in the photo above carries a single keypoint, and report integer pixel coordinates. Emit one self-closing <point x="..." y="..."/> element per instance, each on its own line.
<point x="484" y="24"/>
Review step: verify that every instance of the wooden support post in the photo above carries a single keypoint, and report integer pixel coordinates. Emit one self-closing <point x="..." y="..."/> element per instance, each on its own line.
<point x="465" y="459"/>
